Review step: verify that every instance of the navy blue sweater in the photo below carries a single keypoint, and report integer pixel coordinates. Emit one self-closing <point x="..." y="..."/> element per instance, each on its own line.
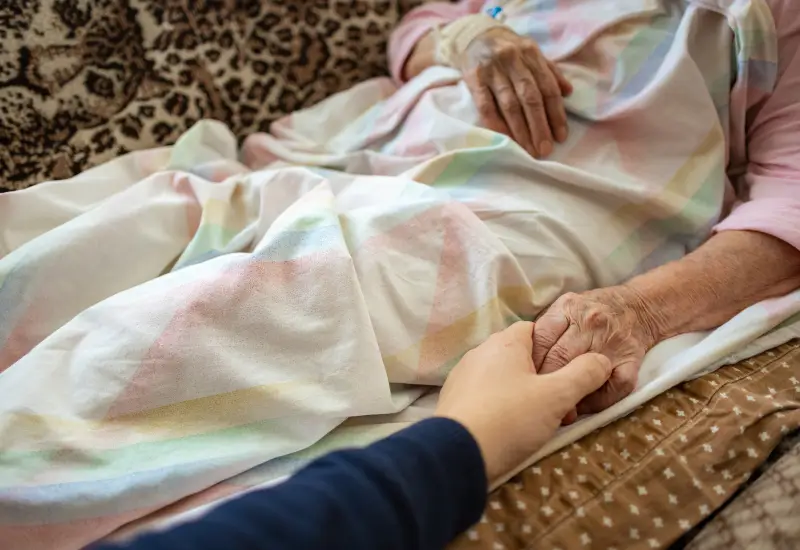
<point x="417" y="489"/>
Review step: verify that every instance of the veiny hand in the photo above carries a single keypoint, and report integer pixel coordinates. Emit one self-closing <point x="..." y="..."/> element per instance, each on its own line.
<point x="517" y="90"/>
<point x="608" y="321"/>
<point x="510" y="409"/>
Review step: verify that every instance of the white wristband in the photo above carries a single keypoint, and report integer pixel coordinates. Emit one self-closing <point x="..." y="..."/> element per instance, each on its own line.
<point x="453" y="39"/>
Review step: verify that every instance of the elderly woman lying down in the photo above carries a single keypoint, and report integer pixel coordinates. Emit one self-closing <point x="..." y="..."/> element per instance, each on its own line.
<point x="177" y="317"/>
<point x="751" y="254"/>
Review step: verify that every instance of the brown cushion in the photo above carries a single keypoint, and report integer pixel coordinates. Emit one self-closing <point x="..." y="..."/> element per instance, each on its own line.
<point x="84" y="81"/>
<point x="644" y="481"/>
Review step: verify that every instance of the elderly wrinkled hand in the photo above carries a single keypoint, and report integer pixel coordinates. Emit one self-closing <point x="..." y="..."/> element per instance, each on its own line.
<point x="518" y="92"/>
<point x="609" y="321"/>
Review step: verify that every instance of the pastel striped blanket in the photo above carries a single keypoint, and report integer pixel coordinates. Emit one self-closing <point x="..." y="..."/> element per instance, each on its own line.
<point x="180" y="316"/>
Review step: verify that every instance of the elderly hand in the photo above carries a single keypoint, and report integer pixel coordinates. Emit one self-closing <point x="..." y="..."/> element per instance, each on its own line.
<point x="510" y="409"/>
<point x="609" y="321"/>
<point x="518" y="91"/>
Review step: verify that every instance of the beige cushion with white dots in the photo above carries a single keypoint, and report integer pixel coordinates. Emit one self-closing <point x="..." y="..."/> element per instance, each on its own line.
<point x="646" y="480"/>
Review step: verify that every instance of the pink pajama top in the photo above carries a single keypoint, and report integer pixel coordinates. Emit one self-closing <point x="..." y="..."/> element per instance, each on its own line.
<point x="768" y="196"/>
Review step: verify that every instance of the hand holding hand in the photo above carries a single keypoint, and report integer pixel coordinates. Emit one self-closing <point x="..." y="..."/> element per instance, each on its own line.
<point x="609" y="321"/>
<point x="517" y="90"/>
<point x="496" y="393"/>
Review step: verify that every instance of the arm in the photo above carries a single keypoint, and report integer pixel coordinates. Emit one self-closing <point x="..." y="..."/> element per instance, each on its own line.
<point x="411" y="46"/>
<point x="420" y="487"/>
<point x="730" y="272"/>
<point x="753" y="255"/>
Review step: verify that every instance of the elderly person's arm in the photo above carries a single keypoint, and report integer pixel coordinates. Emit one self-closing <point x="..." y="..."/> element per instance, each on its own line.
<point x="517" y="91"/>
<point x="753" y="255"/>
<point x="731" y="271"/>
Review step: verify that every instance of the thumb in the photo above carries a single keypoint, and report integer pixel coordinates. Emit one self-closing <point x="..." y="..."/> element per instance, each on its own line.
<point x="582" y="376"/>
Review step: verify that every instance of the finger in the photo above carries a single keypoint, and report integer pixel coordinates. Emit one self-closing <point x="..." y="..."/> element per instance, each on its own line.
<point x="621" y="383"/>
<point x="582" y="376"/>
<point x="521" y="332"/>
<point x="511" y="110"/>
<point x="553" y="102"/>
<point x="573" y="342"/>
<point x="527" y="88"/>
<point x="563" y="84"/>
<point x="549" y="328"/>
<point x="570" y="418"/>
<point x="484" y="101"/>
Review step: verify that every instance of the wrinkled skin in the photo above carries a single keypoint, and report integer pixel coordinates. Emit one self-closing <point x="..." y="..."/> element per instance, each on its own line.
<point x="607" y="321"/>
<point x="518" y="92"/>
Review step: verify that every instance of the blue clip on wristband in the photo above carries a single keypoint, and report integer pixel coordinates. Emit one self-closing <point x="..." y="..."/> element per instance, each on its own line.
<point x="494" y="12"/>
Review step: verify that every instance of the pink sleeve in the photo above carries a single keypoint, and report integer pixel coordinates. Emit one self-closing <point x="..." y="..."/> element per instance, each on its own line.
<point x="773" y="144"/>
<point x="417" y="23"/>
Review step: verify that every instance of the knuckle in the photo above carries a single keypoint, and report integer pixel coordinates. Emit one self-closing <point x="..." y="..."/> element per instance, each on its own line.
<point x="601" y="360"/>
<point x="568" y="299"/>
<point x="483" y="71"/>
<point x="506" y="52"/>
<point x="595" y="318"/>
<point x="530" y="94"/>
<point x="485" y="107"/>
<point x="527" y="325"/>
<point x="473" y="77"/>
<point x="534" y="101"/>
<point x="550" y="91"/>
<point x="529" y="46"/>
<point x="559" y="356"/>
<point x="625" y="385"/>
<point x="508" y="102"/>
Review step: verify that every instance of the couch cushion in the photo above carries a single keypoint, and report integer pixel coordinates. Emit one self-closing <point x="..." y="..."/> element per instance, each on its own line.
<point x="83" y="81"/>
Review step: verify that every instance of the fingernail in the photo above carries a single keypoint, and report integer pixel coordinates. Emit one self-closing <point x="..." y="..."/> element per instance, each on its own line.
<point x="561" y="134"/>
<point x="545" y="148"/>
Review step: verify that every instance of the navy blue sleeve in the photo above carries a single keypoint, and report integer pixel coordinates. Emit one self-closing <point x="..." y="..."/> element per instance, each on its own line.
<point x="417" y="489"/>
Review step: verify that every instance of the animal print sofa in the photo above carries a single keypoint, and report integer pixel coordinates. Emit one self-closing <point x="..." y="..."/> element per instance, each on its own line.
<point x="83" y="81"/>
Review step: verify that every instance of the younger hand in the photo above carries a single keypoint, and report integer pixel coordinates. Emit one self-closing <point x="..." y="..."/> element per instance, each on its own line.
<point x="512" y="411"/>
<point x="517" y="90"/>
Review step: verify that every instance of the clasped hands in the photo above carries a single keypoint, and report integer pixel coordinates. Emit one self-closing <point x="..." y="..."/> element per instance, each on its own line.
<point x="514" y="390"/>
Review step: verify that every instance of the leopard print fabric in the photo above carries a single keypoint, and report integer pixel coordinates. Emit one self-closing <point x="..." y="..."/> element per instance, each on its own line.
<point x="83" y="81"/>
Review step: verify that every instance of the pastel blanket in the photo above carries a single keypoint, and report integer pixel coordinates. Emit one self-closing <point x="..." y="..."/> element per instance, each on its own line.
<point x="180" y="316"/>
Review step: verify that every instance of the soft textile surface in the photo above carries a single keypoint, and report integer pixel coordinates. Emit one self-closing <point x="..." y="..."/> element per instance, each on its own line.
<point x="174" y="318"/>
<point x="587" y="486"/>
<point x="765" y="515"/>
<point x="644" y="481"/>
<point x="84" y="81"/>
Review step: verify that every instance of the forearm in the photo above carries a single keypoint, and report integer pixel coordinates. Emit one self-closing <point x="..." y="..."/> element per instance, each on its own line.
<point x="411" y="46"/>
<point x="730" y="272"/>
<point x="422" y="56"/>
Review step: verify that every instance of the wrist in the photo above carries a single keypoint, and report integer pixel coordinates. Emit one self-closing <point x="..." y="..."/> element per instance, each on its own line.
<point x="455" y="39"/>
<point x="652" y="329"/>
<point x="631" y="301"/>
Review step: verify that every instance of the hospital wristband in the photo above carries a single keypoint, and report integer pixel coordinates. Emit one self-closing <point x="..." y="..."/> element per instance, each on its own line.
<point x="453" y="39"/>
